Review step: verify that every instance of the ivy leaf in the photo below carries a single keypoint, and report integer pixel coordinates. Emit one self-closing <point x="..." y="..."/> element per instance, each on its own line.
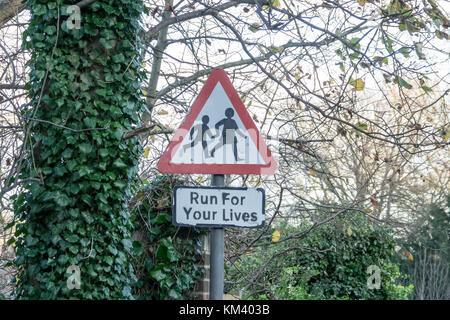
<point x="62" y="199"/>
<point x="127" y="244"/>
<point x="73" y="249"/>
<point x="120" y="184"/>
<point x="118" y="163"/>
<point x="105" y="43"/>
<point x="109" y="260"/>
<point x="137" y="248"/>
<point x="161" y="253"/>
<point x="63" y="259"/>
<point x="103" y="152"/>
<point x="90" y="122"/>
<point x="157" y="274"/>
<point x="85" y="148"/>
<point x="51" y="252"/>
<point x="71" y="225"/>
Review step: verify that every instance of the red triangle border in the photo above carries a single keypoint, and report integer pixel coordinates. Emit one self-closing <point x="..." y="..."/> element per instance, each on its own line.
<point x="217" y="75"/>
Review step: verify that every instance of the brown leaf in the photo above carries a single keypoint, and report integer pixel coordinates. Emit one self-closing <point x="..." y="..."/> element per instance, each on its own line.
<point x="350" y="112"/>
<point x="373" y="201"/>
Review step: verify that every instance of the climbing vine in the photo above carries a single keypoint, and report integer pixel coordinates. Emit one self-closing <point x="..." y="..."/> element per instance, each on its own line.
<point x="166" y="259"/>
<point x="84" y="93"/>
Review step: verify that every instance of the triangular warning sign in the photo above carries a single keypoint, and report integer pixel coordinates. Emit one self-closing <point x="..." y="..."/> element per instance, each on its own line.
<point x="218" y="136"/>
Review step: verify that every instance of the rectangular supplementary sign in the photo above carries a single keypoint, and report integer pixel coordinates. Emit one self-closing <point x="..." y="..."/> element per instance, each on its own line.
<point x="218" y="206"/>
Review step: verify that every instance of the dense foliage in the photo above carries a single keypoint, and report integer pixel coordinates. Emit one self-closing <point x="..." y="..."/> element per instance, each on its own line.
<point x="434" y="232"/>
<point x="84" y="92"/>
<point x="166" y="258"/>
<point x="331" y="262"/>
<point x="426" y="254"/>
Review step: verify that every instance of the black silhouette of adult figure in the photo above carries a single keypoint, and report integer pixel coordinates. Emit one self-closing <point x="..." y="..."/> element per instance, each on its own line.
<point x="230" y="128"/>
<point x="202" y="133"/>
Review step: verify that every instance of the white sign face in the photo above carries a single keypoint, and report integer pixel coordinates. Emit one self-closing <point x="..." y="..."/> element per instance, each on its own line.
<point x="218" y="136"/>
<point x="218" y="206"/>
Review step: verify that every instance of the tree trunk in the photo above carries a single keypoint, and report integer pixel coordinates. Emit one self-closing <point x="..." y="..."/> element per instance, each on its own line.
<point x="9" y="9"/>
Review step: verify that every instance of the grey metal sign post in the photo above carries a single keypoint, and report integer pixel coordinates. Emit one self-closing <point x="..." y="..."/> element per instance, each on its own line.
<point x="217" y="251"/>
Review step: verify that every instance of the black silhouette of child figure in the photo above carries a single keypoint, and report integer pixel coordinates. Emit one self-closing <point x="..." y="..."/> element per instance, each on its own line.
<point x="202" y="133"/>
<point x="230" y="128"/>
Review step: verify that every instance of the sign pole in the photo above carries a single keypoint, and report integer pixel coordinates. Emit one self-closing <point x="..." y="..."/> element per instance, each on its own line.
<point x="217" y="251"/>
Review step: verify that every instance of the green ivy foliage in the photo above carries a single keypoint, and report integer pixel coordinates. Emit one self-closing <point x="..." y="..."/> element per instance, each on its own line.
<point x="331" y="263"/>
<point x="84" y="92"/>
<point x="166" y="258"/>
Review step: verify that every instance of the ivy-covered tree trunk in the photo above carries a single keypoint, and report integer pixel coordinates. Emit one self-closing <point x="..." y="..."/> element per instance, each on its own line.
<point x="84" y="93"/>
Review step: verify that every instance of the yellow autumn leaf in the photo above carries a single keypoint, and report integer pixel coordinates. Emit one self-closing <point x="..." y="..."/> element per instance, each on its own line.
<point x="162" y="112"/>
<point x="144" y="92"/>
<point x="153" y="138"/>
<point x="139" y="195"/>
<point x="146" y="151"/>
<point x="368" y="210"/>
<point x="276" y="236"/>
<point x="408" y="255"/>
<point x="447" y="136"/>
<point x="358" y="84"/>
<point x="349" y="232"/>
<point x="362" y="2"/>
<point x="312" y="172"/>
<point x="200" y="179"/>
<point x="144" y="64"/>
